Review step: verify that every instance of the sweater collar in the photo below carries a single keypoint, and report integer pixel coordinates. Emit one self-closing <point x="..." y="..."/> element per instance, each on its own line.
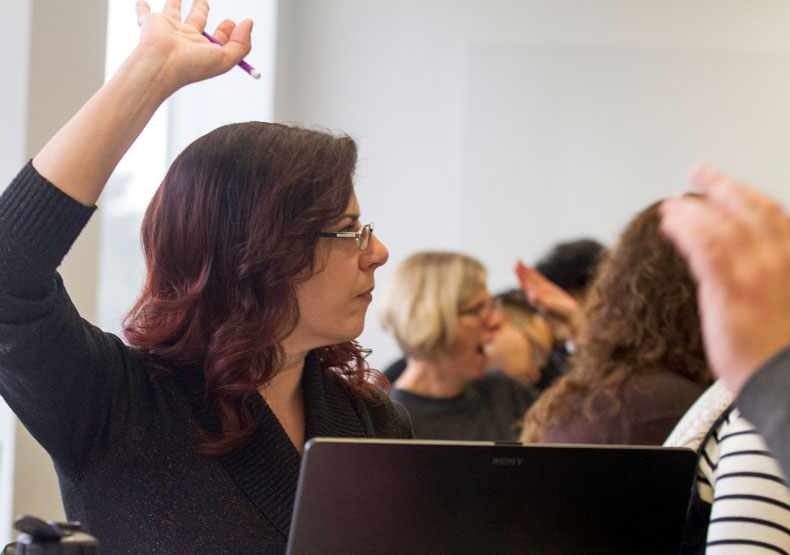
<point x="265" y="466"/>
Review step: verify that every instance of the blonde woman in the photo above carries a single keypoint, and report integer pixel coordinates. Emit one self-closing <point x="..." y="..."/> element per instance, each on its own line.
<point x="440" y="312"/>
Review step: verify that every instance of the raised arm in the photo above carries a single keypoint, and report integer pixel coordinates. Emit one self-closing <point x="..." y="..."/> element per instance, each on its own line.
<point x="737" y="243"/>
<point x="551" y="300"/>
<point x="75" y="387"/>
<point x="171" y="53"/>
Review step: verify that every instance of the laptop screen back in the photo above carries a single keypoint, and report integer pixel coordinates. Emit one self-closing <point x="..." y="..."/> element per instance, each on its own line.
<point x="368" y="496"/>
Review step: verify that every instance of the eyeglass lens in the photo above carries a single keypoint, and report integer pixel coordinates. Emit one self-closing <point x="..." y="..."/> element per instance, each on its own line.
<point x="364" y="237"/>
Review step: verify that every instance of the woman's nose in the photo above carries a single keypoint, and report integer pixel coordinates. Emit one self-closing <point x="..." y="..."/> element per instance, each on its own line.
<point x="495" y="319"/>
<point x="375" y="255"/>
<point x="490" y="327"/>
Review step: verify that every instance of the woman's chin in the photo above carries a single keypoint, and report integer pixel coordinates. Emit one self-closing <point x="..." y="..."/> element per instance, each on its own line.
<point x="338" y="336"/>
<point x="481" y="365"/>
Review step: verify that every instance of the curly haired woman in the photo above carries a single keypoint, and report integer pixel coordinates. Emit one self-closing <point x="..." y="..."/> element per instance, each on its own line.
<point x="640" y="363"/>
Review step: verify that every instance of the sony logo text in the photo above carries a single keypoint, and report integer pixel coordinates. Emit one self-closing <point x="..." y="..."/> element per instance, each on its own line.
<point x="507" y="461"/>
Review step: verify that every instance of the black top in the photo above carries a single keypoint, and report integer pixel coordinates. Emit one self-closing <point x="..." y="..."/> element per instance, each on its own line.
<point x="394" y="370"/>
<point x="489" y="409"/>
<point x="556" y="366"/>
<point x="123" y="438"/>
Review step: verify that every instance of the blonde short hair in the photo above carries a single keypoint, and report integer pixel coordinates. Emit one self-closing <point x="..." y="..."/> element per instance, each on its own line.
<point x="419" y="304"/>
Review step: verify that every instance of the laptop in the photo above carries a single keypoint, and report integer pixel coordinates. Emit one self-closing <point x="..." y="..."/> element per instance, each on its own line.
<point x="440" y="497"/>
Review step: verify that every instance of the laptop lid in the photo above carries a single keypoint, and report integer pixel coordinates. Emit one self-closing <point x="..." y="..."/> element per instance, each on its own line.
<point x="398" y="497"/>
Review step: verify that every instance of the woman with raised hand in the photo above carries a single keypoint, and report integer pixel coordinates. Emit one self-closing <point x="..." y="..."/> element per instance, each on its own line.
<point x="241" y="344"/>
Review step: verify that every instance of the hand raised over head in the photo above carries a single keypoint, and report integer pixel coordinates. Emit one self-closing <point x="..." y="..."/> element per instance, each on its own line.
<point x="551" y="300"/>
<point x="82" y="155"/>
<point x="737" y="244"/>
<point x="177" y="49"/>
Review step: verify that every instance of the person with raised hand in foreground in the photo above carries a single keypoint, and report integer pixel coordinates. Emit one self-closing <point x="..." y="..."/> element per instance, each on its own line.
<point x="737" y="244"/>
<point x="240" y="348"/>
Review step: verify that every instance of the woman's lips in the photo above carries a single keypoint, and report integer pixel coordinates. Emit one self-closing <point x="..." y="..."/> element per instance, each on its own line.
<point x="367" y="295"/>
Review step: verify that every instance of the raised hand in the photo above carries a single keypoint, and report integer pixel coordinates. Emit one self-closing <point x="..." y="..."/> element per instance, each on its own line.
<point x="551" y="300"/>
<point x="737" y="244"/>
<point x="180" y="52"/>
<point x="171" y="53"/>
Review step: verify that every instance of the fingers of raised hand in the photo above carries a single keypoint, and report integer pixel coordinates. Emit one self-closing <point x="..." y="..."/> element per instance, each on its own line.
<point x="240" y="42"/>
<point x="172" y="9"/>
<point x="526" y="278"/>
<point x="198" y="15"/>
<point x="235" y="40"/>
<point x="224" y="30"/>
<point x="537" y="282"/>
<point x="543" y="293"/>
<point x="738" y="201"/>
<point x="708" y="240"/>
<point x="143" y="10"/>
<point x="527" y="274"/>
<point x="520" y="270"/>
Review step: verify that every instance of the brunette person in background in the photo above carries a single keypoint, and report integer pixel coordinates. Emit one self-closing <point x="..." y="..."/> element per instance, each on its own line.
<point x="639" y="363"/>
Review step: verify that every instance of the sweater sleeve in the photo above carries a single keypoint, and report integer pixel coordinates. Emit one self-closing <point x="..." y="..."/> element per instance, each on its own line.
<point x="765" y="401"/>
<point x="57" y="372"/>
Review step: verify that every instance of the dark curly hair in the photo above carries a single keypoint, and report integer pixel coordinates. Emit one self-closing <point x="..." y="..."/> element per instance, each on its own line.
<point x="572" y="265"/>
<point x="228" y="235"/>
<point x="641" y="317"/>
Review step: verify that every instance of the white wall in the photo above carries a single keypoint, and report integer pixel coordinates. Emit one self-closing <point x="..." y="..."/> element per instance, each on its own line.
<point x="500" y="127"/>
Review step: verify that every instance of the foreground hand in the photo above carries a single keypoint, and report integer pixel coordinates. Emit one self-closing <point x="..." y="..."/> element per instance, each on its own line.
<point x="551" y="300"/>
<point x="179" y="51"/>
<point x="737" y="244"/>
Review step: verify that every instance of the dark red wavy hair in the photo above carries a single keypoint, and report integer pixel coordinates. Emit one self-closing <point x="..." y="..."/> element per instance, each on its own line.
<point x="231" y="230"/>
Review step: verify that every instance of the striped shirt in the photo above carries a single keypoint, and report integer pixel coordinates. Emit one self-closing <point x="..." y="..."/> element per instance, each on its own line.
<point x="749" y="495"/>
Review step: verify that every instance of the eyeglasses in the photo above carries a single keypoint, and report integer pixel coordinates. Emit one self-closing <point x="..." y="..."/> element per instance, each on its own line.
<point x="362" y="236"/>
<point x="483" y="310"/>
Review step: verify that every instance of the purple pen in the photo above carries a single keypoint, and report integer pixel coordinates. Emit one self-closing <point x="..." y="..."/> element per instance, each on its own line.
<point x="242" y="64"/>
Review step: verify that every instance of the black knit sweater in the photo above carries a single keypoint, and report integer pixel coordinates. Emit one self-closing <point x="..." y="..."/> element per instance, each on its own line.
<point x="488" y="409"/>
<point x="123" y="438"/>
